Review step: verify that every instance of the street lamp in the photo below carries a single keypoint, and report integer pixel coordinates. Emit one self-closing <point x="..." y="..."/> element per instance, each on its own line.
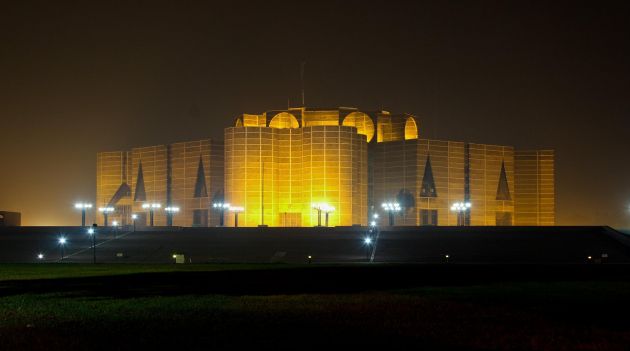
<point x="322" y="207"/>
<point x="152" y="207"/>
<point x="367" y="241"/>
<point x="317" y="207"/>
<point x="221" y="207"/>
<point x="461" y="208"/>
<point x="236" y="210"/>
<point x="62" y="243"/>
<point x="133" y="218"/>
<point x="83" y="206"/>
<point x="170" y="211"/>
<point x="106" y="211"/>
<point x="327" y="210"/>
<point x="391" y="208"/>
<point x="40" y="256"/>
<point x="115" y="225"/>
<point x="375" y="217"/>
<point x="92" y="233"/>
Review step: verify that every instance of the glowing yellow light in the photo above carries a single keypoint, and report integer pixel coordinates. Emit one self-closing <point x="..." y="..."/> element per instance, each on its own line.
<point x="411" y="129"/>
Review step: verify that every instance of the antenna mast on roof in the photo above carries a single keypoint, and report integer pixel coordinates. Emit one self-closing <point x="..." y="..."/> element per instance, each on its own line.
<point x="302" y="80"/>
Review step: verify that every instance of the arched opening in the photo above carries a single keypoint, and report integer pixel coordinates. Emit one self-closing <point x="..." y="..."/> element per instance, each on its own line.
<point x="239" y="122"/>
<point x="362" y="122"/>
<point x="411" y="129"/>
<point x="284" y="120"/>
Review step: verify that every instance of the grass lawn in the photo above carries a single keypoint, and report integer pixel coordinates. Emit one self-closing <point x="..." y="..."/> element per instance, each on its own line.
<point x="21" y="271"/>
<point x="282" y="307"/>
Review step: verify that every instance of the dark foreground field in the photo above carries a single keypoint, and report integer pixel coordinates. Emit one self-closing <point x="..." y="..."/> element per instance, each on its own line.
<point x="105" y="307"/>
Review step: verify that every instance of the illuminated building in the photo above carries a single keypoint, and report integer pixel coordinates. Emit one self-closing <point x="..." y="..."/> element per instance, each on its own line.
<point x="187" y="175"/>
<point x="279" y="164"/>
<point x="309" y="167"/>
<point x="426" y="177"/>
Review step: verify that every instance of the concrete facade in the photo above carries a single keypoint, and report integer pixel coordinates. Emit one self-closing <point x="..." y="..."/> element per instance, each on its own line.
<point x="278" y="165"/>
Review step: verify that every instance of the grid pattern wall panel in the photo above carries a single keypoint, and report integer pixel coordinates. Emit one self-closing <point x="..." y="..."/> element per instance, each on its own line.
<point x="535" y="190"/>
<point x="187" y="158"/>
<point x="289" y="169"/>
<point x="154" y="172"/>
<point x="485" y="173"/>
<point x="398" y="173"/>
<point x="112" y="170"/>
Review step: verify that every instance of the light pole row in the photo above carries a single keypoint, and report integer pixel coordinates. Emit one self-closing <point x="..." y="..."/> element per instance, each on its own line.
<point x="152" y="207"/>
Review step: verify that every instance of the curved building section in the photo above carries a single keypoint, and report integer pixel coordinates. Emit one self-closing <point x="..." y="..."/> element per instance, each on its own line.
<point x="279" y="171"/>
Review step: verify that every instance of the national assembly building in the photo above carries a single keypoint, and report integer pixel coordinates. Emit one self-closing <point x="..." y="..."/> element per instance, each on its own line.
<point x="335" y="167"/>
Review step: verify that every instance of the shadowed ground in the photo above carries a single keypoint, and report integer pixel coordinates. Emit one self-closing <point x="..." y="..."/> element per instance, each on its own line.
<point x="325" y="245"/>
<point x="543" y="307"/>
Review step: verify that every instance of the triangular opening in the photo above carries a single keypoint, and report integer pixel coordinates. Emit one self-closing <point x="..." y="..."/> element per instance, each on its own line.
<point x="123" y="191"/>
<point x="428" y="184"/>
<point x="200" y="184"/>
<point x="140" y="194"/>
<point x="503" y="190"/>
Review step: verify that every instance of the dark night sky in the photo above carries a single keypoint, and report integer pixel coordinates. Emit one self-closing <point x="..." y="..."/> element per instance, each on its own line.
<point x="81" y="77"/>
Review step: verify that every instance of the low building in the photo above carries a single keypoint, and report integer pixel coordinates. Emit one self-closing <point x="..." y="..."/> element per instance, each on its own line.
<point x="10" y="219"/>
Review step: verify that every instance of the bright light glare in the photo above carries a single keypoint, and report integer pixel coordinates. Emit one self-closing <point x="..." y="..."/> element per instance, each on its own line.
<point x="106" y="209"/>
<point x="82" y="205"/>
<point x="237" y="209"/>
<point x="115" y="223"/>
<point x="91" y="231"/>
<point x="62" y="241"/>
<point x="367" y="241"/>
<point x="391" y="206"/>
<point x="323" y="207"/>
<point x="40" y="256"/>
<point x="460" y="206"/>
<point x="154" y="205"/>
<point x="172" y="209"/>
<point x="221" y="205"/>
<point x="373" y="223"/>
<point x="134" y="216"/>
<point x="375" y="216"/>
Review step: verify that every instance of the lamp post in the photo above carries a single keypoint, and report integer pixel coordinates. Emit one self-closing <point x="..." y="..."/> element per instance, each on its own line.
<point x="92" y="233"/>
<point x="62" y="243"/>
<point x="133" y="219"/>
<point x="236" y="210"/>
<point x="374" y="219"/>
<point x="318" y="208"/>
<point x="115" y="225"/>
<point x="368" y="243"/>
<point x="83" y="206"/>
<point x="151" y="207"/>
<point x="170" y="212"/>
<point x="461" y="208"/>
<point x="327" y="210"/>
<point x="221" y="207"/>
<point x="105" y="211"/>
<point x="322" y="207"/>
<point x="391" y="208"/>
